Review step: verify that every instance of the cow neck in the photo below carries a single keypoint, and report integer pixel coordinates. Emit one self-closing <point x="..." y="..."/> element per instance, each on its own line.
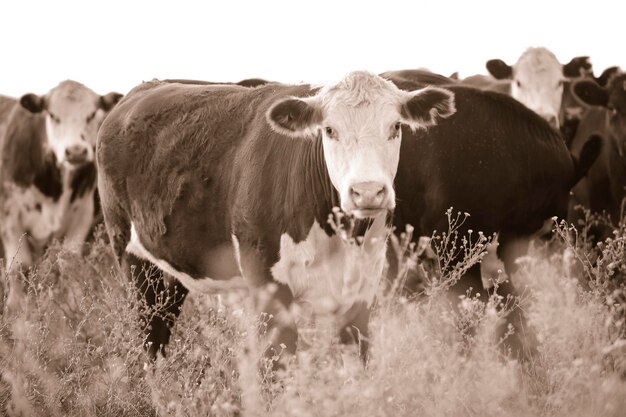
<point x="319" y="185"/>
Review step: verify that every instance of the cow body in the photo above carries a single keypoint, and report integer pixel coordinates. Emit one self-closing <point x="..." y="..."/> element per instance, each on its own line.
<point x="43" y="196"/>
<point x="501" y="163"/>
<point x="196" y="181"/>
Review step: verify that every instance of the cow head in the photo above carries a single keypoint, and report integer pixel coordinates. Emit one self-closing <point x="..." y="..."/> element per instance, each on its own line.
<point x="360" y="121"/>
<point x="613" y="98"/>
<point x="73" y="116"/>
<point x="537" y="80"/>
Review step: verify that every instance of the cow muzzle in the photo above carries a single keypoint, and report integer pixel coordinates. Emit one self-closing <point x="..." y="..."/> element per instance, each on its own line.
<point x="76" y="154"/>
<point x="369" y="199"/>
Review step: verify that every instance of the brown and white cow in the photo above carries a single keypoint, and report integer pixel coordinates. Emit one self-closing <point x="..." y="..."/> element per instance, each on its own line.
<point x="537" y="80"/>
<point x="211" y="182"/>
<point x="47" y="169"/>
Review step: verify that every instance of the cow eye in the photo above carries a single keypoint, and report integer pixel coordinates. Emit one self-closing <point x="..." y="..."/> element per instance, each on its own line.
<point x="91" y="116"/>
<point x="54" y="118"/>
<point x="330" y="132"/>
<point x="519" y="84"/>
<point x="397" y="126"/>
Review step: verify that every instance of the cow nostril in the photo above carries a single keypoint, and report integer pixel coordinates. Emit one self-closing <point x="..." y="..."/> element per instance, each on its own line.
<point x="381" y="192"/>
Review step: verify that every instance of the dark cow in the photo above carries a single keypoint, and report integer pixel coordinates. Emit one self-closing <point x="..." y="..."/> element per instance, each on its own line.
<point x="496" y="160"/>
<point x="211" y="182"/>
<point x="47" y="171"/>
<point x="603" y="189"/>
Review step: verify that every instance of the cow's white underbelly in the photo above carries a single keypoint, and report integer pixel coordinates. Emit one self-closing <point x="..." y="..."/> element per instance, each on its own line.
<point x="328" y="274"/>
<point x="203" y="285"/>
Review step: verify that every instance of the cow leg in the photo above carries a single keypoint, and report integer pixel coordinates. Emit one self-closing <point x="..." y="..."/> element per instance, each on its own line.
<point x="163" y="298"/>
<point x="522" y="342"/>
<point x="355" y="328"/>
<point x="272" y="299"/>
<point x="18" y="259"/>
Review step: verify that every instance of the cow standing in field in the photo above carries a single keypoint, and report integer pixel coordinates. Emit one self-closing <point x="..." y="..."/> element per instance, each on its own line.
<point x="537" y="79"/>
<point x="501" y="163"/>
<point x="604" y="188"/>
<point x="211" y="182"/>
<point x="47" y="169"/>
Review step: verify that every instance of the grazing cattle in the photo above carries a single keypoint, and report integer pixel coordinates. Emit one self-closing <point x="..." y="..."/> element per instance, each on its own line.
<point x="603" y="189"/>
<point x="497" y="161"/>
<point x="47" y="171"/>
<point x="211" y="182"/>
<point x="536" y="80"/>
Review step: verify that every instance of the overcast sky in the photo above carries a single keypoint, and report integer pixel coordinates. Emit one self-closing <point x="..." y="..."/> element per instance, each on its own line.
<point x="114" y="45"/>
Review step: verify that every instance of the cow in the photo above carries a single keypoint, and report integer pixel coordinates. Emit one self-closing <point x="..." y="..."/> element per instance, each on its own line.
<point x="501" y="163"/>
<point x="212" y="183"/>
<point x="603" y="189"/>
<point x="47" y="169"/>
<point x="537" y="80"/>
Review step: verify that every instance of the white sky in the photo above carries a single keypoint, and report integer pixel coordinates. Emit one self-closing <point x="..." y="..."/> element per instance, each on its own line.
<point x="115" y="44"/>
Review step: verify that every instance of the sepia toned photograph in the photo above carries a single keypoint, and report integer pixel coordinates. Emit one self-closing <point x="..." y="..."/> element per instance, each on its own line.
<point x="332" y="208"/>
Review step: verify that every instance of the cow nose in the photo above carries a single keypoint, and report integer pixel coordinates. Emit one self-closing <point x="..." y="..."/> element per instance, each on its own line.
<point x="368" y="195"/>
<point x="76" y="154"/>
<point x="552" y="119"/>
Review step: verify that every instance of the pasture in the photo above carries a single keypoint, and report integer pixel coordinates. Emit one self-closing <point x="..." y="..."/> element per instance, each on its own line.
<point x="71" y="345"/>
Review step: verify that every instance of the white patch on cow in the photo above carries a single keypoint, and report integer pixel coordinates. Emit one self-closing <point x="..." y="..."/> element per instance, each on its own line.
<point x="36" y="219"/>
<point x="202" y="285"/>
<point x="538" y="82"/>
<point x="329" y="274"/>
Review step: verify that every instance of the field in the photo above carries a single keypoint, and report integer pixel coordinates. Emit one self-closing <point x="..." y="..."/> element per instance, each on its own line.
<point x="71" y="345"/>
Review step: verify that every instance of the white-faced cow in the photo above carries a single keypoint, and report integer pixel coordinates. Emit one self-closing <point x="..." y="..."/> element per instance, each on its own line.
<point x="211" y="182"/>
<point x="603" y="189"/>
<point x="537" y="80"/>
<point x="48" y="172"/>
<point x="496" y="160"/>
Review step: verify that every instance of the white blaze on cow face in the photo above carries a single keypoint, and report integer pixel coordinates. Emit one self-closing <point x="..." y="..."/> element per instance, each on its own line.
<point x="360" y="120"/>
<point x="73" y="114"/>
<point x="536" y="81"/>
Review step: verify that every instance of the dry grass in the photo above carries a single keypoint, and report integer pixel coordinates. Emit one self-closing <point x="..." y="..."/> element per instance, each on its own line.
<point x="70" y="346"/>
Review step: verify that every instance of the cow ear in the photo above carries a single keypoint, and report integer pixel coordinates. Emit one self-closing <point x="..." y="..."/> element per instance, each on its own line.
<point x="607" y="74"/>
<point x="499" y="69"/>
<point x="577" y="66"/>
<point x="591" y="93"/>
<point x="33" y="103"/>
<point x="107" y="102"/>
<point x="295" y="117"/>
<point x="424" y="107"/>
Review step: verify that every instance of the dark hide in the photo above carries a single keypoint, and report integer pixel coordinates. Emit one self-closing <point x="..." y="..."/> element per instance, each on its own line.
<point x="23" y="145"/>
<point x="577" y="67"/>
<point x="108" y="101"/>
<point x="603" y="189"/>
<point x="501" y="163"/>
<point x="83" y="180"/>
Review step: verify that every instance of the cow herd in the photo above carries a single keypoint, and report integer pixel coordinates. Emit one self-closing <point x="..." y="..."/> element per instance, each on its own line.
<point x="292" y="191"/>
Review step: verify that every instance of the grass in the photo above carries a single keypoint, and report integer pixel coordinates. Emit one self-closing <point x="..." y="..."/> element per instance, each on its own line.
<point x="71" y="345"/>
